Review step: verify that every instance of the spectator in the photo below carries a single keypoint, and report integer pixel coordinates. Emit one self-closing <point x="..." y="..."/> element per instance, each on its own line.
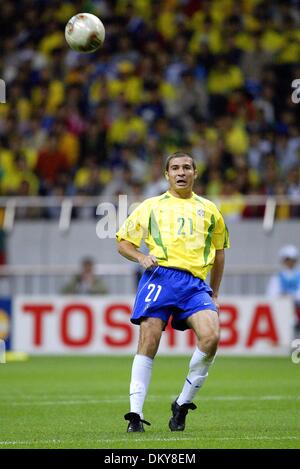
<point x="51" y="162"/>
<point x="254" y="61"/>
<point x="191" y="98"/>
<point x="88" y="178"/>
<point x="287" y="280"/>
<point x="2" y="241"/>
<point x="85" y="282"/>
<point x="125" y="125"/>
<point x="233" y="204"/>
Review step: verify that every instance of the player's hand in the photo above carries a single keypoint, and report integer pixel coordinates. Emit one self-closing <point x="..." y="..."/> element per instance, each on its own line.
<point x="147" y="261"/>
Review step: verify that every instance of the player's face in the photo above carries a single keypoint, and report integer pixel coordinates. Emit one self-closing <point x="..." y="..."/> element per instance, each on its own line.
<point x="181" y="174"/>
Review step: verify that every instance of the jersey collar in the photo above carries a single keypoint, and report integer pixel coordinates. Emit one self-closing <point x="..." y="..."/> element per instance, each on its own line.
<point x="179" y="198"/>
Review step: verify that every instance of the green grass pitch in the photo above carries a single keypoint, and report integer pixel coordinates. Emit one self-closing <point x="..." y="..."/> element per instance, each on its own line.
<point x="79" y="402"/>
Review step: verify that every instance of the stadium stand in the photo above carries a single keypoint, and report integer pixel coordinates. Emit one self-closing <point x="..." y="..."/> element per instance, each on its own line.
<point x="212" y="79"/>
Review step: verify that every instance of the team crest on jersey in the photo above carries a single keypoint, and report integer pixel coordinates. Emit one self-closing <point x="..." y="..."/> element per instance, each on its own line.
<point x="200" y="212"/>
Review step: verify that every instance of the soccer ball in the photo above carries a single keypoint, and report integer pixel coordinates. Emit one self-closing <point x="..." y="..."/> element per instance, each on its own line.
<point x="84" y="32"/>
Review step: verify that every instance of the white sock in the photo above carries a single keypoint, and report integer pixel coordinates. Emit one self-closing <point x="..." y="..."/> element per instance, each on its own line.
<point x="140" y="379"/>
<point x="198" y="373"/>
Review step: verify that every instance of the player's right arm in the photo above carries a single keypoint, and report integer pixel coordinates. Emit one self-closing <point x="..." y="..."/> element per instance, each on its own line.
<point x="130" y="251"/>
<point x="130" y="236"/>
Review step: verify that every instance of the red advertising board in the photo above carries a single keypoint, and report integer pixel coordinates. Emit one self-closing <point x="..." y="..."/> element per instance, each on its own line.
<point x="101" y="325"/>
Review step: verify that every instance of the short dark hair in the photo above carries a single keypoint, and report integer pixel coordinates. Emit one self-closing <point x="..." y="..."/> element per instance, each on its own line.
<point x="179" y="154"/>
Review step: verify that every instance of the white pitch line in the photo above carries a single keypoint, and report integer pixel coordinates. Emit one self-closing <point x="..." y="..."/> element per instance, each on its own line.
<point x="28" y="442"/>
<point x="219" y="438"/>
<point x="151" y="398"/>
<point x="147" y="439"/>
<point x="249" y="398"/>
<point x="69" y="402"/>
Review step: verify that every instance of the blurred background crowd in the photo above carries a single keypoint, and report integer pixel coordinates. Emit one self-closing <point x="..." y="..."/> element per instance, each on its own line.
<point x="212" y="77"/>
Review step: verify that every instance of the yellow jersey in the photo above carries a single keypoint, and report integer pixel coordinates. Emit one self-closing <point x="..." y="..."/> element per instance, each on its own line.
<point x="180" y="233"/>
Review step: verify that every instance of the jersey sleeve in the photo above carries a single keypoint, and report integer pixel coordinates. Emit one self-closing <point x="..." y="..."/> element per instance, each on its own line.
<point x="135" y="227"/>
<point x="220" y="237"/>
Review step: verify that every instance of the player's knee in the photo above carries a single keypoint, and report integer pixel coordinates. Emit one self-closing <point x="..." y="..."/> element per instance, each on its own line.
<point x="209" y="343"/>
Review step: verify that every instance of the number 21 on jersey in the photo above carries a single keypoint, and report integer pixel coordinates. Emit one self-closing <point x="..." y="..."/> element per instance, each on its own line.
<point x="154" y="290"/>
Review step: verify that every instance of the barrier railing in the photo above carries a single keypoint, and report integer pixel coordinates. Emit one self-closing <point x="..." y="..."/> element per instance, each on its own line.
<point x="65" y="205"/>
<point x="119" y="278"/>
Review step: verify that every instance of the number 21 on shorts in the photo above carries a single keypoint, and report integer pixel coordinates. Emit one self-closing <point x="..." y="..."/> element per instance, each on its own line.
<point x="154" y="289"/>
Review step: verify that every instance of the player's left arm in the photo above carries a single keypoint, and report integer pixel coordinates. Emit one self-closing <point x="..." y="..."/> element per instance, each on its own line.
<point x="220" y="240"/>
<point x="217" y="274"/>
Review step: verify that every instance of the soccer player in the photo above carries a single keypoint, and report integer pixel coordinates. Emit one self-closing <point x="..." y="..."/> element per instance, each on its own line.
<point x="186" y="236"/>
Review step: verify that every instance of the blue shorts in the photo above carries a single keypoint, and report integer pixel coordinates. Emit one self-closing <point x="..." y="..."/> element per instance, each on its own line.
<point x="165" y="292"/>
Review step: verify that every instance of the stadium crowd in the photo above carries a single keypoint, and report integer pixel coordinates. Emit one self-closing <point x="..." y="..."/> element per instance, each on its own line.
<point x="212" y="77"/>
